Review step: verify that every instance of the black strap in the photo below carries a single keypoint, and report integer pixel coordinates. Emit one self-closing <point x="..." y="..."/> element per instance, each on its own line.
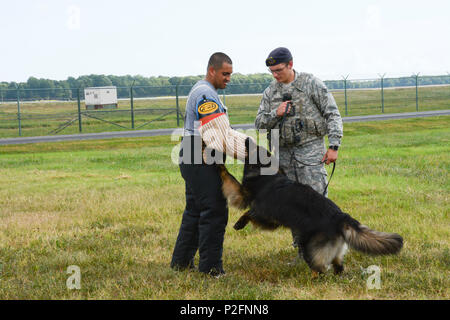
<point x="283" y="119"/>
<point x="331" y="176"/>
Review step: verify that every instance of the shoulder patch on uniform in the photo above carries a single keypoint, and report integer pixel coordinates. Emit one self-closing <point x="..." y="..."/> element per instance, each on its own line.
<point x="207" y="107"/>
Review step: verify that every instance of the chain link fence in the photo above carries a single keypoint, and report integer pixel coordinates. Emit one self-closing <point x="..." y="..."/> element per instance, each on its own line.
<point x="49" y="111"/>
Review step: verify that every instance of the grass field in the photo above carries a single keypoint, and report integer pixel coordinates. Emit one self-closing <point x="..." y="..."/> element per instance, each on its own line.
<point x="43" y="118"/>
<point x="113" y="208"/>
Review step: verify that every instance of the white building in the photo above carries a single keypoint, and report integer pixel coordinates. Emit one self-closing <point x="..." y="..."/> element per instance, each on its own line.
<point x="100" y="97"/>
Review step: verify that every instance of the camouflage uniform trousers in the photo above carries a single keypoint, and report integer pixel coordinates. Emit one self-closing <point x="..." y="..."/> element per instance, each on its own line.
<point x="314" y="175"/>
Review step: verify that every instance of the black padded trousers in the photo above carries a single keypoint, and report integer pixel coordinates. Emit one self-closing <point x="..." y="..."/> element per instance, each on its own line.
<point x="204" y="220"/>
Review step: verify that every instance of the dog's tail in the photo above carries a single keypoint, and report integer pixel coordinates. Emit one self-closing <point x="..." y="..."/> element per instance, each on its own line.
<point x="232" y="189"/>
<point x="363" y="239"/>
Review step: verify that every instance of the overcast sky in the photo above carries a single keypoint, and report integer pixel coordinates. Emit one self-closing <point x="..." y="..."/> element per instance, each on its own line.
<point x="56" y="39"/>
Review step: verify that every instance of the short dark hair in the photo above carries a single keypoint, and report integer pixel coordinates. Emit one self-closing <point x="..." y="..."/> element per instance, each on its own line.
<point x="217" y="59"/>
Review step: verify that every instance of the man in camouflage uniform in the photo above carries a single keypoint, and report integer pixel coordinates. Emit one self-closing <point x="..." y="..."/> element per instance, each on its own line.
<point x="302" y="108"/>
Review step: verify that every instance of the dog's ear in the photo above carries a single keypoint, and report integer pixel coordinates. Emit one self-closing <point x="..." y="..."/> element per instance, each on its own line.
<point x="247" y="144"/>
<point x="250" y="148"/>
<point x="247" y="147"/>
<point x="252" y="145"/>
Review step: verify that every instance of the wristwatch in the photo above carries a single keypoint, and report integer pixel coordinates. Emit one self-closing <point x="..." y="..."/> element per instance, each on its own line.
<point x="335" y="148"/>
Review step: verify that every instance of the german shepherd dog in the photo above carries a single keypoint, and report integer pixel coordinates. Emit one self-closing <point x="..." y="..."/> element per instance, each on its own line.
<point x="326" y="231"/>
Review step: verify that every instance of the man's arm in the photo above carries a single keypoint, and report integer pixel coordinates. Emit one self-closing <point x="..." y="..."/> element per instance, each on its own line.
<point x="329" y="109"/>
<point x="216" y="131"/>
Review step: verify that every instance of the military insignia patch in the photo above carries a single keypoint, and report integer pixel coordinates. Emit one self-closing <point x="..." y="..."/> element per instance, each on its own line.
<point x="270" y="61"/>
<point x="207" y="107"/>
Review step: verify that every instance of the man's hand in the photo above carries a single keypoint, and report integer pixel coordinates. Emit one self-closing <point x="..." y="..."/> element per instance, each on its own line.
<point x="330" y="156"/>
<point x="282" y="108"/>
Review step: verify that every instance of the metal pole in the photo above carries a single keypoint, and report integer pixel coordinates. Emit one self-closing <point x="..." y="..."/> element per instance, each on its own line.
<point x="345" y="93"/>
<point x="18" y="111"/>
<point x="382" y="92"/>
<point x="178" y="106"/>
<point x="79" y="110"/>
<point x="132" y="106"/>
<point x="417" y="91"/>
<point x="382" y="96"/>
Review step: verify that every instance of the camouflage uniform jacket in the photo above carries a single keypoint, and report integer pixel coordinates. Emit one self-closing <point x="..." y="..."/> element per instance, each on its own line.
<point x="314" y="106"/>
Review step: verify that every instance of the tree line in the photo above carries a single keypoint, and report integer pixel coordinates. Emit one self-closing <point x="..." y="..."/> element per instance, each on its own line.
<point x="37" y="89"/>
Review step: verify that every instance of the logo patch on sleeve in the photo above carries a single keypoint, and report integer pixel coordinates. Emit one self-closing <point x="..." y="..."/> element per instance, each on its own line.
<point x="207" y="107"/>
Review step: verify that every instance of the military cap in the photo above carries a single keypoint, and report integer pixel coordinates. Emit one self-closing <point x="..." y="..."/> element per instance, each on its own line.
<point x="278" y="55"/>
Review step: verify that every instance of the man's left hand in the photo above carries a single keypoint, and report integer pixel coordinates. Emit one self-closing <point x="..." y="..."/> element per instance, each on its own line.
<point x="330" y="156"/>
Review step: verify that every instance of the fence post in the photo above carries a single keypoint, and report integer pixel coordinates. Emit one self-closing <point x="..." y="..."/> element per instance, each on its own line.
<point x="18" y="111"/>
<point x="178" y="105"/>
<point x="417" y="91"/>
<point x="132" y="106"/>
<point x="382" y="92"/>
<point x="345" y="93"/>
<point x="79" y="110"/>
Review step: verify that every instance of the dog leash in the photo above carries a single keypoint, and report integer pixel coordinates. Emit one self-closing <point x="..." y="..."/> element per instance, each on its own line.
<point x="312" y="165"/>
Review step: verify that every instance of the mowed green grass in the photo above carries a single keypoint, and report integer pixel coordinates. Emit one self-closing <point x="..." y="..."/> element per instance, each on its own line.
<point x="113" y="208"/>
<point x="152" y="113"/>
